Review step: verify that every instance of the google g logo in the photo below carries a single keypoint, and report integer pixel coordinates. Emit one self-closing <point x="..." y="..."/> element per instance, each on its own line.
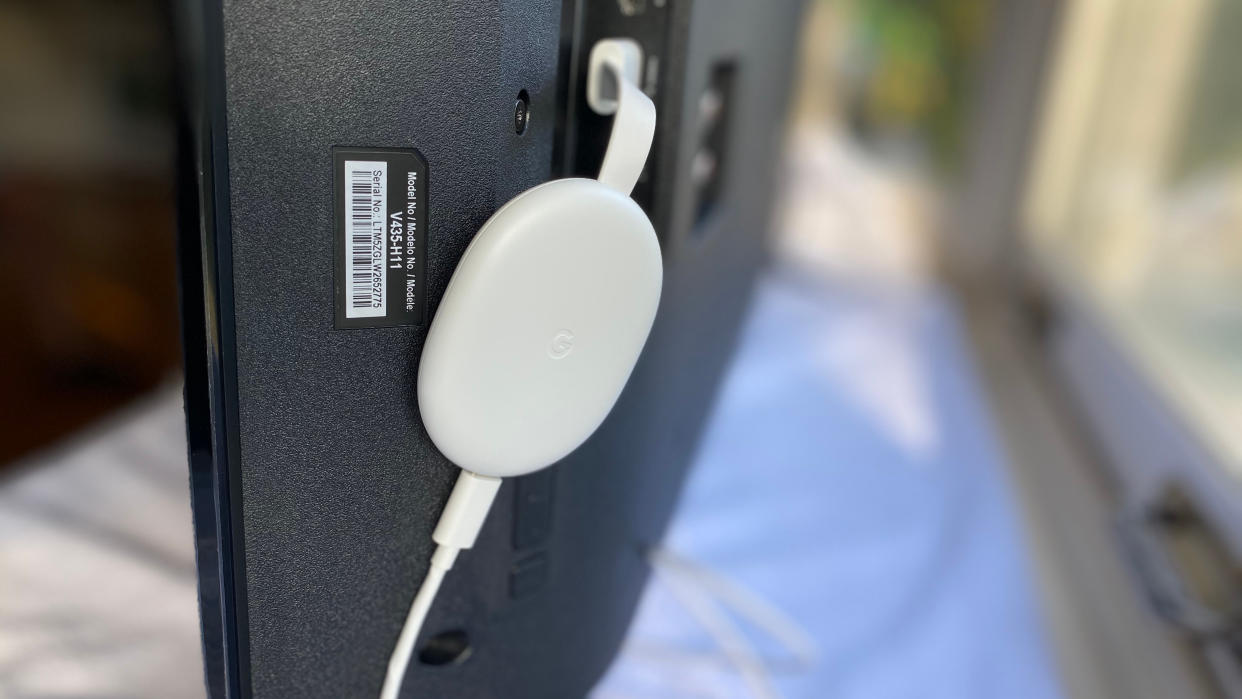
<point x="562" y="344"/>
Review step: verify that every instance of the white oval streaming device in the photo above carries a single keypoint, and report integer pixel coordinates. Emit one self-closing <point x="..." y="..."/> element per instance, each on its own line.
<point x="540" y="327"/>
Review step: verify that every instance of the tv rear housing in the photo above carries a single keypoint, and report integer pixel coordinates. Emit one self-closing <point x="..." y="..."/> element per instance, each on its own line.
<point x="314" y="485"/>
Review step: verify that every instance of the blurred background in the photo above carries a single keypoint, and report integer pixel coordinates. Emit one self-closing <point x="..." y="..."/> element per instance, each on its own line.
<point x="1000" y="341"/>
<point x="86" y="137"/>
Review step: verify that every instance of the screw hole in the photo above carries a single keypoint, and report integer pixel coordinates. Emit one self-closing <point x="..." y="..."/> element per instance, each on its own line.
<point x="446" y="648"/>
<point x="521" y="113"/>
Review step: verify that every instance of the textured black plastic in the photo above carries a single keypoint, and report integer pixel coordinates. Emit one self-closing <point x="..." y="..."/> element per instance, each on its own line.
<point x="339" y="485"/>
<point x="338" y="505"/>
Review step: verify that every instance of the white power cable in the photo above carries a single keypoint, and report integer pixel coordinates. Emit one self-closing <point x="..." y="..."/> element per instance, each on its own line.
<point x="401" y="654"/>
<point x="457" y="529"/>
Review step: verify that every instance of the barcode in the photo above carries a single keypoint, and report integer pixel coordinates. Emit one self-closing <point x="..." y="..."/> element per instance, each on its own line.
<point x="366" y="186"/>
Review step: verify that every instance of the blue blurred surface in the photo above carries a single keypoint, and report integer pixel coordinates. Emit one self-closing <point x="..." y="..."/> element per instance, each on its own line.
<point x="851" y="476"/>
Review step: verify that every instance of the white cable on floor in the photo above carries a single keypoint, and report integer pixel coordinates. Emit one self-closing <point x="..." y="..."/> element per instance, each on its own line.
<point x="727" y="635"/>
<point x="745" y="604"/>
<point x="702" y="592"/>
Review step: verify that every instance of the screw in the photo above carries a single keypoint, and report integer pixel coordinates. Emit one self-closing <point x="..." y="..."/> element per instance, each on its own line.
<point x="521" y="113"/>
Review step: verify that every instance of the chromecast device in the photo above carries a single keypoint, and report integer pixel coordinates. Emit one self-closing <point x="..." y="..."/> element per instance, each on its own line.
<point x="550" y="306"/>
<point x="539" y="328"/>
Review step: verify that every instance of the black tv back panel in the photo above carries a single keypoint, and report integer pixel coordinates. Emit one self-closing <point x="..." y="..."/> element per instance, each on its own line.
<point x="315" y="487"/>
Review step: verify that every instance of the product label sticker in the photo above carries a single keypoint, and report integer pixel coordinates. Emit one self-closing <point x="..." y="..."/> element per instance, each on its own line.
<point x="380" y="211"/>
